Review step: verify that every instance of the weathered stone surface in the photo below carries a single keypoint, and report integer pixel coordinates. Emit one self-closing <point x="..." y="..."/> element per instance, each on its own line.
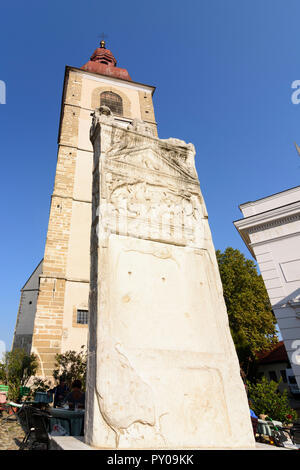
<point x="163" y="371"/>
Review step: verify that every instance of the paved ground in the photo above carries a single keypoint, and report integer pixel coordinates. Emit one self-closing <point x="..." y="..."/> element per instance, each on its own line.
<point x="12" y="434"/>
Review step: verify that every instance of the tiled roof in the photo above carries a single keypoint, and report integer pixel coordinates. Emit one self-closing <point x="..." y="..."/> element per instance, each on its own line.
<point x="277" y="354"/>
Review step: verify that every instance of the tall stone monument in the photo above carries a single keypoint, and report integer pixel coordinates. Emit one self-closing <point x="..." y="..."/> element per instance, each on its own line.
<point x="162" y="369"/>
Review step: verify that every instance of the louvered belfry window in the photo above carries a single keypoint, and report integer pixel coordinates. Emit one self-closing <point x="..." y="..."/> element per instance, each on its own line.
<point x="113" y="101"/>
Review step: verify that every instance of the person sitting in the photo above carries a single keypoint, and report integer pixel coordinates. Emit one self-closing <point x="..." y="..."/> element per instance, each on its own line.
<point x="253" y="417"/>
<point x="60" y="392"/>
<point x="76" y="398"/>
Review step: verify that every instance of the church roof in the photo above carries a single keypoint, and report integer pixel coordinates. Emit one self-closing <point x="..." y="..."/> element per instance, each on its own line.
<point x="33" y="280"/>
<point x="103" y="62"/>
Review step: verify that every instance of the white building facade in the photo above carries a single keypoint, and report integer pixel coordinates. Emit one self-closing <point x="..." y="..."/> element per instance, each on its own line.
<point x="271" y="230"/>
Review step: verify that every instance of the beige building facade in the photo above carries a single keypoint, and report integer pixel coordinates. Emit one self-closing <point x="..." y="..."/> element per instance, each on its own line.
<point x="56" y="320"/>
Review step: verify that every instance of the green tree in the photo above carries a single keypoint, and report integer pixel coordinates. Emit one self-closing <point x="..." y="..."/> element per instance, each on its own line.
<point x="72" y="366"/>
<point x="251" y="320"/>
<point x="265" y="398"/>
<point x="16" y="369"/>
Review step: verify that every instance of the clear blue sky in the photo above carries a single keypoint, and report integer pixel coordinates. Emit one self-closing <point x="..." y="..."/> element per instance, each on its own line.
<point x="223" y="72"/>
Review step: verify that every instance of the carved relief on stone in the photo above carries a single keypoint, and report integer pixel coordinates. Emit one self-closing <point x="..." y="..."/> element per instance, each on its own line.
<point x="141" y="127"/>
<point x="139" y="136"/>
<point x="118" y="379"/>
<point x="152" y="211"/>
<point x="150" y="154"/>
<point x="102" y="114"/>
<point x="181" y="153"/>
<point x="149" y="188"/>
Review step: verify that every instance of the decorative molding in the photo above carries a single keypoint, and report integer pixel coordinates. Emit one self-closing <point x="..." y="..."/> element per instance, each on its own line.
<point x="275" y="223"/>
<point x="268" y="216"/>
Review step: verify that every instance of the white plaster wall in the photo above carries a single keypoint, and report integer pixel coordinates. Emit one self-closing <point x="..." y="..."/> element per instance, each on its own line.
<point x="85" y="121"/>
<point x="83" y="176"/>
<point x="78" y="263"/>
<point x="76" y="298"/>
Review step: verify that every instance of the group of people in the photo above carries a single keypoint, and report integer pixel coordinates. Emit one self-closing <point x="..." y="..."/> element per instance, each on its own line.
<point x="74" y="398"/>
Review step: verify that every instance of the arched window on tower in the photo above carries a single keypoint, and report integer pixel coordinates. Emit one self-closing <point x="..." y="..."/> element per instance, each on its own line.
<point x="113" y="101"/>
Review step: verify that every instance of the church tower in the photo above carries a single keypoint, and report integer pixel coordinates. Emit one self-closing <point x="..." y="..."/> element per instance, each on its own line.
<point x="53" y="312"/>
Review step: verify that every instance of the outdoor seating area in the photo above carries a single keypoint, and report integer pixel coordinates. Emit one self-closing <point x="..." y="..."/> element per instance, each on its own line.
<point x="41" y="409"/>
<point x="35" y="408"/>
<point x="38" y="415"/>
<point x="274" y="433"/>
<point x="39" y="420"/>
<point x="41" y="425"/>
<point x="67" y="421"/>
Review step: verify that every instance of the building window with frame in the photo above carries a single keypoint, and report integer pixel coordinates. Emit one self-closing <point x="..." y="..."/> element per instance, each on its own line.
<point x="273" y="375"/>
<point x="113" y="101"/>
<point x="260" y="375"/>
<point x="82" y="317"/>
<point x="283" y="375"/>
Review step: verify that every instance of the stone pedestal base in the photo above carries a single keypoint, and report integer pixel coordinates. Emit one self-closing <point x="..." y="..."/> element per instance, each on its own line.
<point x="76" y="443"/>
